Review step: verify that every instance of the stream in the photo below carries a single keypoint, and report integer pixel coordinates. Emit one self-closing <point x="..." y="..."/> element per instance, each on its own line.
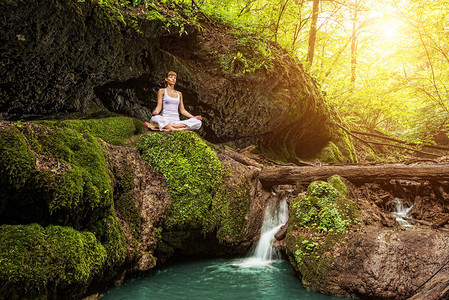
<point x="260" y="275"/>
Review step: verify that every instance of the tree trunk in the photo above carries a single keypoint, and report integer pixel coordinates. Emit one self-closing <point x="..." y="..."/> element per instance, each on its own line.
<point x="281" y="12"/>
<point x="270" y="176"/>
<point x="312" y="34"/>
<point x="354" y="46"/>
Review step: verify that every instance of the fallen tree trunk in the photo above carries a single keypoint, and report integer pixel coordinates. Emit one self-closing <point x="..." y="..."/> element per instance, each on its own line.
<point x="270" y="176"/>
<point x="436" y="289"/>
<point x="243" y="159"/>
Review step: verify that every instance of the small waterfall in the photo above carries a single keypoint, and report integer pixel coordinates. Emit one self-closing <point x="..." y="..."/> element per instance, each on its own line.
<point x="264" y="253"/>
<point x="401" y="211"/>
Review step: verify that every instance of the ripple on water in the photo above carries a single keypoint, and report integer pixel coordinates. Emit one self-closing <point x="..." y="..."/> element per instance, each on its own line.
<point x="217" y="279"/>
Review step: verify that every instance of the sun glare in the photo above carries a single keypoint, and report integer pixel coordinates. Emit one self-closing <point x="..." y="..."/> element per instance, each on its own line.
<point x="389" y="32"/>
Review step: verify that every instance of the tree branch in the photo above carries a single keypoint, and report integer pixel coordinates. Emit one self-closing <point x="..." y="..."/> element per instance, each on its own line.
<point x="385" y="144"/>
<point x="398" y="141"/>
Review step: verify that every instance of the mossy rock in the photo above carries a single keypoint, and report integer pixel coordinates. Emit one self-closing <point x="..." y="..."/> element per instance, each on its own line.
<point x="336" y="182"/>
<point x="341" y="148"/>
<point x="65" y="176"/>
<point x="59" y="178"/>
<point x="202" y="201"/>
<point x="318" y="222"/>
<point x="36" y="262"/>
<point x="330" y="154"/>
<point x="113" y="130"/>
<point x="16" y="160"/>
<point x="110" y="234"/>
<point x="124" y="202"/>
<point x="192" y="172"/>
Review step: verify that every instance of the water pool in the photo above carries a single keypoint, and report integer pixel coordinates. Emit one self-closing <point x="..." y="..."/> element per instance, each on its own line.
<point x="216" y="279"/>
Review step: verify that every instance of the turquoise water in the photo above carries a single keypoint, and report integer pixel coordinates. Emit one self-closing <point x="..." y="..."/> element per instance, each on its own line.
<point x="216" y="279"/>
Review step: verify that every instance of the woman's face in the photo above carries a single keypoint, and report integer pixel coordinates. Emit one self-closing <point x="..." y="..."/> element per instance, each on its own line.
<point x="171" y="79"/>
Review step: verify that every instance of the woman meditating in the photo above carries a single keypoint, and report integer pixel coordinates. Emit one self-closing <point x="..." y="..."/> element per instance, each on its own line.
<point x="169" y="101"/>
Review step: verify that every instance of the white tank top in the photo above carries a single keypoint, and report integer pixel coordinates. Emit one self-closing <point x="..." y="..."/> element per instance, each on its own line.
<point x="170" y="106"/>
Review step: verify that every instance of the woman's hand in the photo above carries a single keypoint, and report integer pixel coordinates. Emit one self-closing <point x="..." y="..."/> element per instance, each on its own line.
<point x="198" y="117"/>
<point x="155" y="112"/>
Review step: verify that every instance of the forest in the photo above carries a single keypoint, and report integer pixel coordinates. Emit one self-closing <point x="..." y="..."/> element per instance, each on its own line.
<point x="382" y="65"/>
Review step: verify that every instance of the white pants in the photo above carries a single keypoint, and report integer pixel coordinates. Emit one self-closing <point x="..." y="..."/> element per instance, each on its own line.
<point x="192" y="123"/>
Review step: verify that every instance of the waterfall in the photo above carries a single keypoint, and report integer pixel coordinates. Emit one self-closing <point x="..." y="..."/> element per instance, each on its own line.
<point x="264" y="253"/>
<point x="401" y="211"/>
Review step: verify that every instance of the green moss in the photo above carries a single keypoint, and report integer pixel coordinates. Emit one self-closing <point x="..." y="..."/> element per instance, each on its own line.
<point x="336" y="182"/>
<point x="124" y="202"/>
<point x="16" y="160"/>
<point x="319" y="209"/>
<point x="110" y="234"/>
<point x="203" y="201"/>
<point x="114" y="130"/>
<point x="68" y="194"/>
<point x="330" y="154"/>
<point x="192" y="172"/>
<point x="71" y="186"/>
<point x="36" y="261"/>
<point x="110" y="13"/>
<point x="85" y="186"/>
<point x="229" y="209"/>
<point x="319" y="221"/>
<point x="76" y="149"/>
<point x="345" y="145"/>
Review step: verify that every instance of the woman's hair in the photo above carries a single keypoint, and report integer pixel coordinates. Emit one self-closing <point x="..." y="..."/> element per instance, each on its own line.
<point x="168" y="74"/>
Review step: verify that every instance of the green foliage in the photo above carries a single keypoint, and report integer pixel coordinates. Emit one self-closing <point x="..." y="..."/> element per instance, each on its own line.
<point x="146" y="3"/>
<point x="250" y="53"/>
<point x="35" y="261"/>
<point x="192" y="172"/>
<point x="116" y="13"/>
<point x="154" y="15"/>
<point x="175" y="25"/>
<point x="320" y="209"/>
<point x="396" y="82"/>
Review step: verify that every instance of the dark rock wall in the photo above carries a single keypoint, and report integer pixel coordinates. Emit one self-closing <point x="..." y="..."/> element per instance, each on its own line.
<point x="55" y="52"/>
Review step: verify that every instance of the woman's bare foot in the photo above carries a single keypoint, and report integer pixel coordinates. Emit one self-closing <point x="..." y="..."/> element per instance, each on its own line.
<point x="176" y="127"/>
<point x="169" y="128"/>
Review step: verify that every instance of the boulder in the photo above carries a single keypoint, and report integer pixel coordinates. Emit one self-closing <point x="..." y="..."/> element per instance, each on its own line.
<point x="62" y="56"/>
<point x="340" y="242"/>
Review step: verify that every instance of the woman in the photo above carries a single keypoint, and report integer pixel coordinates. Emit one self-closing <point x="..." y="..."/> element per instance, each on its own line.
<point x="169" y="101"/>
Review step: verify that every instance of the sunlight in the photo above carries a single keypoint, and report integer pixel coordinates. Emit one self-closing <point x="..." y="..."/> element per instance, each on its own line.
<point x="389" y="31"/>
